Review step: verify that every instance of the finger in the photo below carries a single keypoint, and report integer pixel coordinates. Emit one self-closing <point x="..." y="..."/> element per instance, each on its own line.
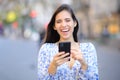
<point x="74" y="50"/>
<point x="59" y="54"/>
<point x="73" y="53"/>
<point x="62" y="61"/>
<point x="64" y="55"/>
<point x="59" y="57"/>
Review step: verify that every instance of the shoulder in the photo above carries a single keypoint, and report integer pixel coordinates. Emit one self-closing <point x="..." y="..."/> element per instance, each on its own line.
<point x="48" y="49"/>
<point x="47" y="46"/>
<point x="88" y="48"/>
<point x="87" y="45"/>
<point x="89" y="51"/>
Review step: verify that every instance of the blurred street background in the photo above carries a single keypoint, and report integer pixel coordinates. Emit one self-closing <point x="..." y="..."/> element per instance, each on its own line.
<point x="23" y="24"/>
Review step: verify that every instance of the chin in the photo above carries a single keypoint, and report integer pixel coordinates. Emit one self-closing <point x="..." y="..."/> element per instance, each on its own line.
<point x="66" y="37"/>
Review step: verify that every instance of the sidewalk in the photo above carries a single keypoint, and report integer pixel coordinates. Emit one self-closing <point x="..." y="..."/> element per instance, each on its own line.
<point x="108" y="62"/>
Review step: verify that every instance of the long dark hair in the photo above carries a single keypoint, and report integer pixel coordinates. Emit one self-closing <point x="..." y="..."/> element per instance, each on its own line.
<point x="52" y="35"/>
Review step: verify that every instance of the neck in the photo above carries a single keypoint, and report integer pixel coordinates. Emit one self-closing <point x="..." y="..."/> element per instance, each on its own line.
<point x="67" y="40"/>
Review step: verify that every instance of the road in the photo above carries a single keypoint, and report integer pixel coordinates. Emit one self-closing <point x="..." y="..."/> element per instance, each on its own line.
<point x="109" y="62"/>
<point x="18" y="60"/>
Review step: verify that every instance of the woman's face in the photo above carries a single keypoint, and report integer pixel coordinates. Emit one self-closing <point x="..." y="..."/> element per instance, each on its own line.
<point x="64" y="25"/>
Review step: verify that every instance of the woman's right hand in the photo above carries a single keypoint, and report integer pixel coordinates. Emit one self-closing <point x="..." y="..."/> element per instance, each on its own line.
<point x="60" y="58"/>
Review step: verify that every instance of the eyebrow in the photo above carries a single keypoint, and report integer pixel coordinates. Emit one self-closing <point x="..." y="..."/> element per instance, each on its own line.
<point x="64" y="19"/>
<point x="67" y="18"/>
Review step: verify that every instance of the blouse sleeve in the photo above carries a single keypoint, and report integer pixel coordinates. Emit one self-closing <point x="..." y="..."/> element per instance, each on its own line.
<point x="43" y="63"/>
<point x="91" y="58"/>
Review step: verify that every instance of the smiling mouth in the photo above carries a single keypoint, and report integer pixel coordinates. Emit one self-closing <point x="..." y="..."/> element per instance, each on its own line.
<point x="65" y="30"/>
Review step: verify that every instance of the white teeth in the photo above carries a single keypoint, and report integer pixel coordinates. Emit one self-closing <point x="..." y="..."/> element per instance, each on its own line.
<point x="65" y="30"/>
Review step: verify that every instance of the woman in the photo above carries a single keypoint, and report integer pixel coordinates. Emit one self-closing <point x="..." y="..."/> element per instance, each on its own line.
<point x="52" y="64"/>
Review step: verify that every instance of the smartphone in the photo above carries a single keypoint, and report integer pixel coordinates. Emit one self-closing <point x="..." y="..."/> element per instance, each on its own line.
<point x="65" y="46"/>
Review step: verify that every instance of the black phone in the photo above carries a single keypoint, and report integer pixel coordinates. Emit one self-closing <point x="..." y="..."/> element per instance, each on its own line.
<point x="65" y="46"/>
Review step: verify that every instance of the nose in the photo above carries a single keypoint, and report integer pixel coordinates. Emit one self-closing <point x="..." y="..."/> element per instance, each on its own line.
<point x="64" y="24"/>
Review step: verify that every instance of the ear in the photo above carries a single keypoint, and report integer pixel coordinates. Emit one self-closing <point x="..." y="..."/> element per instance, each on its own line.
<point x="75" y="23"/>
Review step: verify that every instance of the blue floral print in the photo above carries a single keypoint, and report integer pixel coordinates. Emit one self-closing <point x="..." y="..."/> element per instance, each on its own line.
<point x="45" y="56"/>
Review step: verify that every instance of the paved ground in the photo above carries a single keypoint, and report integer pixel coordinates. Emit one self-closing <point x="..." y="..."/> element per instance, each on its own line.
<point x="109" y="62"/>
<point x="18" y="60"/>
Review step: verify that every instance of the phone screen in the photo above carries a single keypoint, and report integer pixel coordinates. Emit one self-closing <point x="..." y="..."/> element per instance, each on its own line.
<point x="65" y="46"/>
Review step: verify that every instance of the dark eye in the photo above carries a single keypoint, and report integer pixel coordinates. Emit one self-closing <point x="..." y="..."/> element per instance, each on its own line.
<point x="58" y="21"/>
<point x="68" y="20"/>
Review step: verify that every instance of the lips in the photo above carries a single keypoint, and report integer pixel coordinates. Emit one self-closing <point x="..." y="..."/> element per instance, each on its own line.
<point x="64" y="30"/>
